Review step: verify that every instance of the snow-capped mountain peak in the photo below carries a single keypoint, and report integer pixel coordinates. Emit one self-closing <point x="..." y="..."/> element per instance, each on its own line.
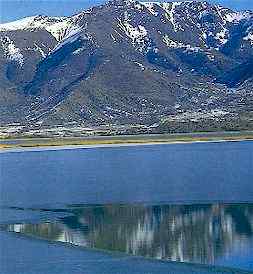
<point x="140" y="50"/>
<point x="57" y="26"/>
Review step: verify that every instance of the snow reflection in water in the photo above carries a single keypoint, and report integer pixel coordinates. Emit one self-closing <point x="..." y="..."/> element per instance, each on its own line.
<point x="186" y="233"/>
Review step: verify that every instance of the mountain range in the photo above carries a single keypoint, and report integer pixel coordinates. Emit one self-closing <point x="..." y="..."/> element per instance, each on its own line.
<point x="179" y="66"/>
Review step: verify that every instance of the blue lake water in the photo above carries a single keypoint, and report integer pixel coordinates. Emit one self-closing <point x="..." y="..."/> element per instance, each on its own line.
<point x="181" y="202"/>
<point x="161" y="173"/>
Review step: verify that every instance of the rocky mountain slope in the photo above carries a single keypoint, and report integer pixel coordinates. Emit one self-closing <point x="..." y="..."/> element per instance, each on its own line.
<point x="128" y="62"/>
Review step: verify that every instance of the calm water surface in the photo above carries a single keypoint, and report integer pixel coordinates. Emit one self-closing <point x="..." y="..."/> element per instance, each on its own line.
<point x="191" y="203"/>
<point x="198" y="172"/>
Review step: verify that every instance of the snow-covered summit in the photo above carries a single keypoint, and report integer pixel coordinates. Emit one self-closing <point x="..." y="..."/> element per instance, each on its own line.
<point x="239" y="16"/>
<point x="23" y="23"/>
<point x="210" y="25"/>
<point x="38" y="21"/>
<point x="57" y="26"/>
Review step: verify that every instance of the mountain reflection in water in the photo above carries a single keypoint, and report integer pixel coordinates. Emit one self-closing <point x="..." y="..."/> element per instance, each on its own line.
<point x="189" y="233"/>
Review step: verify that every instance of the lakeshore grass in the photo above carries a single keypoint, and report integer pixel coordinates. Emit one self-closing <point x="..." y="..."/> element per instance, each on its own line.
<point x="122" y="140"/>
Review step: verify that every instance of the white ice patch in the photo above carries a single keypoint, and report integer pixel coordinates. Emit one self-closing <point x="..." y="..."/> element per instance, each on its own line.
<point x="78" y="51"/>
<point x="171" y="43"/>
<point x="138" y="6"/>
<point x="140" y="65"/>
<point x="40" y="50"/>
<point x="170" y="9"/>
<point x="136" y="34"/>
<point x="249" y="37"/>
<point x="179" y="45"/>
<point x="172" y="14"/>
<point x="150" y="7"/>
<point x="204" y="35"/>
<point x="12" y="52"/>
<point x="58" y="30"/>
<point x="192" y="49"/>
<point x="210" y="56"/>
<point x="238" y="16"/>
<point x="176" y="45"/>
<point x="222" y="36"/>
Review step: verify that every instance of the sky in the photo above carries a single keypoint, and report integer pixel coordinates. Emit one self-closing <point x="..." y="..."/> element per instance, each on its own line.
<point x="11" y="10"/>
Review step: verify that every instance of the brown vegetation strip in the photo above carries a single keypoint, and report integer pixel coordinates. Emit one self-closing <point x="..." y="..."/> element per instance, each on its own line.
<point x="66" y="142"/>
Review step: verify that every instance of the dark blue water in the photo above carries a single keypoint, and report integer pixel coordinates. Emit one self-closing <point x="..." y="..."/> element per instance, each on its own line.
<point x="161" y="173"/>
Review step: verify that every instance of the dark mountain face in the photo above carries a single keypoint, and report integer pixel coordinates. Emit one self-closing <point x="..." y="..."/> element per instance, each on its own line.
<point x="126" y="62"/>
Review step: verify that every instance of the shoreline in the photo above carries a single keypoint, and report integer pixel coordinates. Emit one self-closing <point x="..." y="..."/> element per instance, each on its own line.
<point x="56" y="147"/>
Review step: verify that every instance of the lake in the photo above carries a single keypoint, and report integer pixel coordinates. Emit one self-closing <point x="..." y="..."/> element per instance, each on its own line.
<point x="180" y="202"/>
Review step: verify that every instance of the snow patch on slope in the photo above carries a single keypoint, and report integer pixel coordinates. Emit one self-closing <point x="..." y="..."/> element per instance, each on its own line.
<point x="78" y="51"/>
<point x="222" y="36"/>
<point x="150" y="7"/>
<point x="170" y="9"/>
<point x="140" y="65"/>
<point x="58" y="30"/>
<point x="238" y="16"/>
<point x="40" y="50"/>
<point x="171" y="43"/>
<point x="179" y="45"/>
<point x="137" y="34"/>
<point x="249" y="37"/>
<point x="73" y="34"/>
<point x="11" y="51"/>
